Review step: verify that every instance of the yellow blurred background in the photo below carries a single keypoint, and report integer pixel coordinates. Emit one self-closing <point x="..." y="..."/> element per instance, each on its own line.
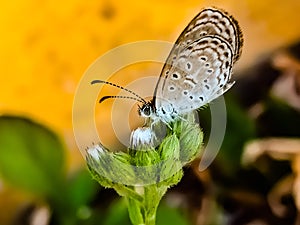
<point x="47" y="45"/>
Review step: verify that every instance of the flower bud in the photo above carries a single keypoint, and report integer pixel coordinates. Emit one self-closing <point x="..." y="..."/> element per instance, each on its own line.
<point x="143" y="138"/>
<point x="170" y="166"/>
<point x="109" y="167"/>
<point x="144" y="156"/>
<point x="190" y="143"/>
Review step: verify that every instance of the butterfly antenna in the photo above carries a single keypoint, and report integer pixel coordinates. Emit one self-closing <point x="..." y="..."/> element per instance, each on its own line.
<point x="140" y="99"/>
<point x="118" y="96"/>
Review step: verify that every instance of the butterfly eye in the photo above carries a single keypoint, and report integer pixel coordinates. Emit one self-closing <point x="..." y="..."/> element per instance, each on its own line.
<point x="147" y="111"/>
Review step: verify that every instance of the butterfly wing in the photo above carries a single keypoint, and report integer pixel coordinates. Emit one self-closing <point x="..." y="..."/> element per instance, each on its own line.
<point x="210" y="22"/>
<point x="198" y="68"/>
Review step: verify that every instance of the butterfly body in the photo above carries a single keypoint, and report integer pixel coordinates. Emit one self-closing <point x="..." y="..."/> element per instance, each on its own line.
<point x="198" y="68"/>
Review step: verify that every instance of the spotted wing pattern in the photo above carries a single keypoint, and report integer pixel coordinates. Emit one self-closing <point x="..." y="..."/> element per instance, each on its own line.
<point x="198" y="68"/>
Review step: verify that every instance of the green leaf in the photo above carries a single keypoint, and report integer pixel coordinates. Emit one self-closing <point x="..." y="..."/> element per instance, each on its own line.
<point x="31" y="156"/>
<point x="81" y="189"/>
<point x="170" y="216"/>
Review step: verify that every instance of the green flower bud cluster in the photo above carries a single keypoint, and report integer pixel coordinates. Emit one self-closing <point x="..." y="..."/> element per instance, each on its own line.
<point x="151" y="164"/>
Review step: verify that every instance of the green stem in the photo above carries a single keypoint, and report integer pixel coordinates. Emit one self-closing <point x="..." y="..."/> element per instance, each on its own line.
<point x="144" y="213"/>
<point x="135" y="211"/>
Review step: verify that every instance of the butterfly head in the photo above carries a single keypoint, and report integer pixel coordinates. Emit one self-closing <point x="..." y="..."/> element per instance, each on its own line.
<point x="147" y="109"/>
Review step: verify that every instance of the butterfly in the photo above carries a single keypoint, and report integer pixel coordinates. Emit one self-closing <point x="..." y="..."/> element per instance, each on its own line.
<point x="197" y="70"/>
